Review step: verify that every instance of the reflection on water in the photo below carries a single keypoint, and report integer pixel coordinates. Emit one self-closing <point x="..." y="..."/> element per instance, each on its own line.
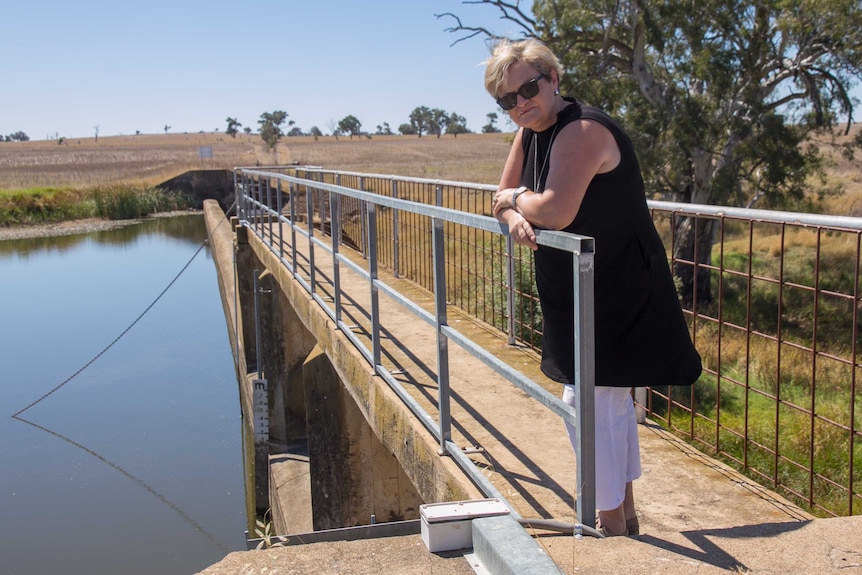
<point x="178" y="227"/>
<point x="134" y="465"/>
<point x="142" y="483"/>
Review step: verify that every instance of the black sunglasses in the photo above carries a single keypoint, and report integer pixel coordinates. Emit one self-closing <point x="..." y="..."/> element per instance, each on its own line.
<point x="527" y="90"/>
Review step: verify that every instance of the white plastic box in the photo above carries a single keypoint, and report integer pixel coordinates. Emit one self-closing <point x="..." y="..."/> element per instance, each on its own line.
<point x="446" y="526"/>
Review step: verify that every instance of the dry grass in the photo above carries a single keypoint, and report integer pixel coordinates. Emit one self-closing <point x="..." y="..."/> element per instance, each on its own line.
<point x="153" y="159"/>
<point x="849" y="174"/>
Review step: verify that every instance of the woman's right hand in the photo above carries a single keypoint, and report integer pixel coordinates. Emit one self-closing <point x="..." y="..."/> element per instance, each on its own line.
<point x="520" y="229"/>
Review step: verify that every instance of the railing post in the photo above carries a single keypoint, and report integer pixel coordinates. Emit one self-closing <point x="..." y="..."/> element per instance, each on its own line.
<point x="309" y="213"/>
<point x="279" y="201"/>
<point x="439" y="246"/>
<point x="585" y="379"/>
<point x="363" y="211"/>
<point x="395" y="237"/>
<point x="372" y="273"/>
<point x="269" y="208"/>
<point x="291" y="205"/>
<point x="239" y="189"/>
<point x="258" y="212"/>
<point x="510" y="292"/>
<point x="335" y="228"/>
<point x="324" y="205"/>
<point x="236" y="192"/>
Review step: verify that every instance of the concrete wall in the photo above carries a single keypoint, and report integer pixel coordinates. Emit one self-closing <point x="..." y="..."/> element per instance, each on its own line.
<point x="201" y="185"/>
<point x="364" y="452"/>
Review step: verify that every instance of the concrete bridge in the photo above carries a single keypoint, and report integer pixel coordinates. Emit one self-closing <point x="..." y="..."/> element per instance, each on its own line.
<point x="358" y="429"/>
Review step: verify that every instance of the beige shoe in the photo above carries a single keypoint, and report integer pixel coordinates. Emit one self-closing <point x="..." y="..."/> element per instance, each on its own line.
<point x="601" y="529"/>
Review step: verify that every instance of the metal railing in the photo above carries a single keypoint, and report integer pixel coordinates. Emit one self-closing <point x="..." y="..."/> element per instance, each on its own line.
<point x="773" y="310"/>
<point x="776" y="320"/>
<point x="404" y="225"/>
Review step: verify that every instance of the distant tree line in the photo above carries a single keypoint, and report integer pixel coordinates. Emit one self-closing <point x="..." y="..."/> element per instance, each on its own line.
<point x="422" y="121"/>
<point x="16" y="137"/>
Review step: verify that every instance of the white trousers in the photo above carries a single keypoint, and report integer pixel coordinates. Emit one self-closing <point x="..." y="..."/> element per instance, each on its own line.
<point x="617" y="448"/>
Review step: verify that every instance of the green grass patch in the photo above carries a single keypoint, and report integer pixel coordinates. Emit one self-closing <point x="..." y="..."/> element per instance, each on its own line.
<point x="116" y="202"/>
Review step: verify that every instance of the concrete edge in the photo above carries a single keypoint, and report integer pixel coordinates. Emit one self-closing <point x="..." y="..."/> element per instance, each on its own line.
<point x="502" y="546"/>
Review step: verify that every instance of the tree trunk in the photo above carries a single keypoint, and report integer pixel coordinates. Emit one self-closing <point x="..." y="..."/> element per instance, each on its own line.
<point x="693" y="243"/>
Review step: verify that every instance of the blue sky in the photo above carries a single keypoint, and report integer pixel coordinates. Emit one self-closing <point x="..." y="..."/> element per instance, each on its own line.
<point x="69" y="66"/>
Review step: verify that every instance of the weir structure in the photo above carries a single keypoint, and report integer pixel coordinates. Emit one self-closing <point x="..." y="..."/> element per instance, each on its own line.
<point x="389" y="373"/>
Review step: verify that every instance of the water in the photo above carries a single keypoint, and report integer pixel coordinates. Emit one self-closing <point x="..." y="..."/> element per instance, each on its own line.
<point x="135" y="464"/>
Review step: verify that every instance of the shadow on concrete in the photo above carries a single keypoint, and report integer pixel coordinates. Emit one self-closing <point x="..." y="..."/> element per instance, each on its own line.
<point x="709" y="552"/>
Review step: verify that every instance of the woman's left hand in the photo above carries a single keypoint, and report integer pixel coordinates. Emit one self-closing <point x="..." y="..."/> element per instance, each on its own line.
<point x="502" y="200"/>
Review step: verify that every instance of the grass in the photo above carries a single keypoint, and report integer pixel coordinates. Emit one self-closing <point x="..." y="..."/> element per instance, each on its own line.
<point x="154" y="159"/>
<point x="110" y="202"/>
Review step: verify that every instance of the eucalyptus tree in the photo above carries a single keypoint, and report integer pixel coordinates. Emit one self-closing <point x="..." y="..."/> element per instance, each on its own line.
<point x="232" y="127"/>
<point x="456" y="124"/>
<point x="437" y="120"/>
<point x="350" y="125"/>
<point x="270" y="127"/>
<point x="491" y="126"/>
<point x="720" y="96"/>
<point x="420" y="120"/>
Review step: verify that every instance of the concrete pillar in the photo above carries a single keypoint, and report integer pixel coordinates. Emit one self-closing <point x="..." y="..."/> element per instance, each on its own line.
<point x="353" y="476"/>
<point x="285" y="343"/>
<point x="246" y="264"/>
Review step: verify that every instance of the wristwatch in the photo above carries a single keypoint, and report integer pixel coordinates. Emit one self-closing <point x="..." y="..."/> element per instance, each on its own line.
<point x="515" y="195"/>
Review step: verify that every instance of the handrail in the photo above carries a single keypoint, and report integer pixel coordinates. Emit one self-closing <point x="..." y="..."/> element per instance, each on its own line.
<point x="740" y="254"/>
<point x="686" y="209"/>
<point x="261" y="213"/>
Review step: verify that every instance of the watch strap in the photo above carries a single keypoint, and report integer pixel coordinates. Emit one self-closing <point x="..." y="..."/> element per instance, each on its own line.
<point x="515" y="195"/>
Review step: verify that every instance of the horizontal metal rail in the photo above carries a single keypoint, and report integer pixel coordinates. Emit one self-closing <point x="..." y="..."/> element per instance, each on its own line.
<point x="773" y="309"/>
<point x="261" y="209"/>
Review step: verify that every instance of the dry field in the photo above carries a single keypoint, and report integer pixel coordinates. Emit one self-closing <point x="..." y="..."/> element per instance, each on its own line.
<point x="153" y="159"/>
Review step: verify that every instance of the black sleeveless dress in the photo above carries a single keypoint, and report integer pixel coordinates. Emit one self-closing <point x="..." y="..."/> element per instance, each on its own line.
<point x="641" y="335"/>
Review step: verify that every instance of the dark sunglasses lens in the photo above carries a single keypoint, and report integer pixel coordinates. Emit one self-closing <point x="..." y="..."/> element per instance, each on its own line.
<point x="529" y="89"/>
<point x="508" y="101"/>
<point x="526" y="91"/>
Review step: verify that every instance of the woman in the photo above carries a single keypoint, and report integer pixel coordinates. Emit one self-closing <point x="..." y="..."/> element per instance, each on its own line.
<point x="572" y="168"/>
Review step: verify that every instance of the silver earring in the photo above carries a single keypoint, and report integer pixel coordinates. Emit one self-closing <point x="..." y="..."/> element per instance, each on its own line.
<point x="557" y="92"/>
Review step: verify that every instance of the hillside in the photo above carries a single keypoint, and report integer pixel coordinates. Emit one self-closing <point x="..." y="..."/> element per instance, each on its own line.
<point x="155" y="158"/>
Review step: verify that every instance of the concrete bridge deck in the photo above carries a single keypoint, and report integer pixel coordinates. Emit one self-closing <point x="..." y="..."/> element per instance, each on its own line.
<point x="696" y="515"/>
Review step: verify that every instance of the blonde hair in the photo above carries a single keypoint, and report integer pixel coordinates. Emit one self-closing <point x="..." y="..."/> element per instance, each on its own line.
<point x="506" y="53"/>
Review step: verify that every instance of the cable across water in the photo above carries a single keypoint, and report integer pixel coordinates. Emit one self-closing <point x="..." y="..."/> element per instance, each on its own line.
<point x="123" y="333"/>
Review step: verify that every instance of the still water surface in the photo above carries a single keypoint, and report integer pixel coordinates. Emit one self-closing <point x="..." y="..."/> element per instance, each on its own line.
<point x="134" y="465"/>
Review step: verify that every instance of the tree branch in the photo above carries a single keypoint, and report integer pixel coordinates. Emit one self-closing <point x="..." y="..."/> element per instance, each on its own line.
<point x="527" y="24"/>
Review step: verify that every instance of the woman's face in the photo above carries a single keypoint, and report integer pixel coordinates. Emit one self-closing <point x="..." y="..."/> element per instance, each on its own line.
<point x="539" y="112"/>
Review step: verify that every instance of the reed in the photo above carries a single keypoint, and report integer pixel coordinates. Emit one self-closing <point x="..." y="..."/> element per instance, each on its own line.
<point x="111" y="202"/>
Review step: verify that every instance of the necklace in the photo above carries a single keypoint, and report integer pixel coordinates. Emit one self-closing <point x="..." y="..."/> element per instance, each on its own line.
<point x="537" y="174"/>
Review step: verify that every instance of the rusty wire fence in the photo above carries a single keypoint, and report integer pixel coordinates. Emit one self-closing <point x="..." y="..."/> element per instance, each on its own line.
<point x="772" y="300"/>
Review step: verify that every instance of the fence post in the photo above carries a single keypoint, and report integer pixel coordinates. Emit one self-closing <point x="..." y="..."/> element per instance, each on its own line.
<point x="291" y="205"/>
<point x="439" y="246"/>
<point x="585" y="379"/>
<point x="269" y="208"/>
<point x="371" y="211"/>
<point x="510" y="292"/>
<point x="396" y="240"/>
<point x="279" y="201"/>
<point x="335" y="229"/>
